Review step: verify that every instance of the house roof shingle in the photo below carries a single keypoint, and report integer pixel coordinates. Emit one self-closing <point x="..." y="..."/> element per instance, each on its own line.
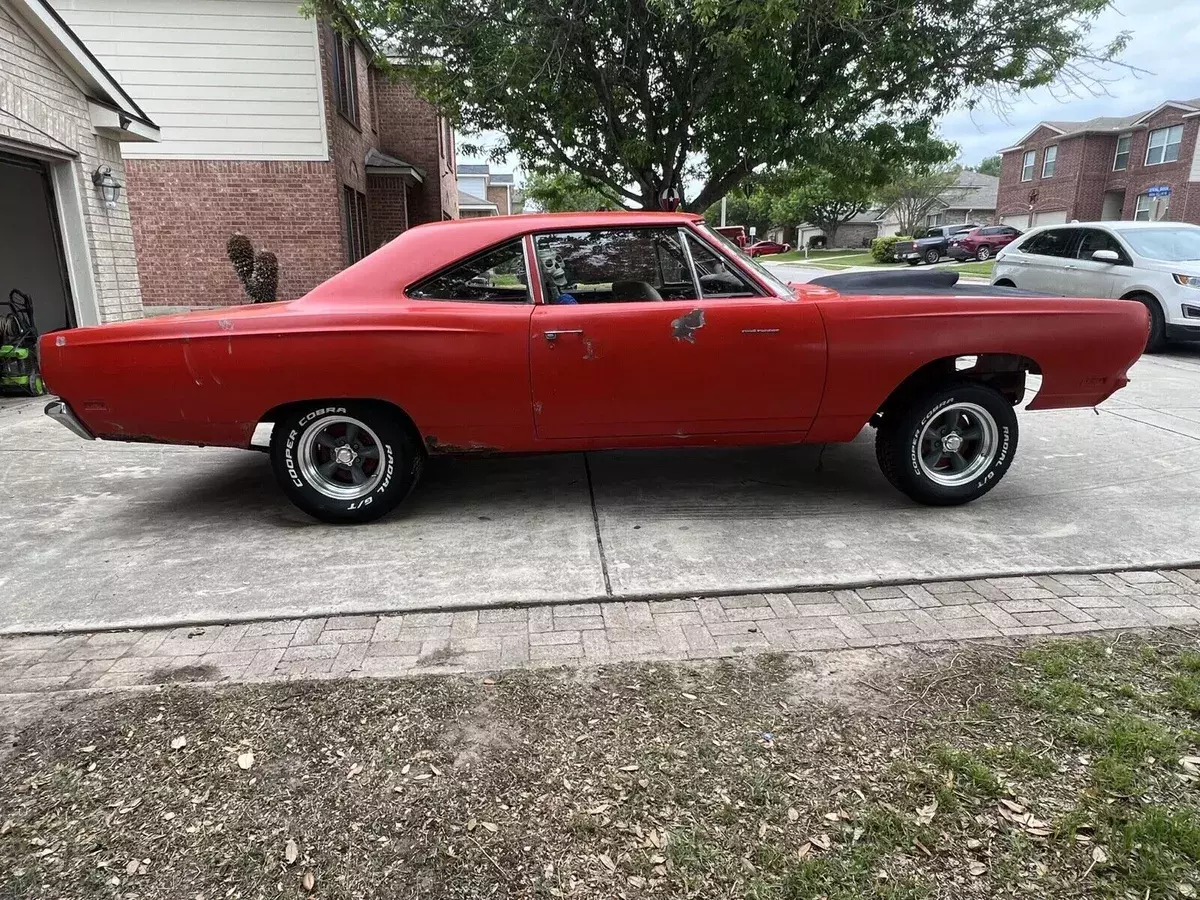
<point x="473" y="169"/>
<point x="973" y="190"/>
<point x="1107" y="124"/>
<point x="470" y="201"/>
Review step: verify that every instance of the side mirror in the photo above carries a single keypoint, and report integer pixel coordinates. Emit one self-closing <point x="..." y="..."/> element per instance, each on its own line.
<point x="1106" y="256"/>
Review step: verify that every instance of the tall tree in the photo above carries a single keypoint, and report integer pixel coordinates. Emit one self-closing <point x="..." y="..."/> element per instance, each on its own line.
<point x="562" y="190"/>
<point x="990" y="165"/>
<point x="644" y="95"/>
<point x="914" y="192"/>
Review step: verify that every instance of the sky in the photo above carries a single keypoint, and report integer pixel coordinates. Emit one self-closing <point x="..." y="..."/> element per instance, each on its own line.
<point x="1163" y="51"/>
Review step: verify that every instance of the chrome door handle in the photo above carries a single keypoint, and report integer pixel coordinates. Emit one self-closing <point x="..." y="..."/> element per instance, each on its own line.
<point x="553" y="335"/>
<point x="760" y="331"/>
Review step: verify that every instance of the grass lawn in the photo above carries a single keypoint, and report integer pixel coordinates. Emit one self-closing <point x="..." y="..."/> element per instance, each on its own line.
<point x="1071" y="769"/>
<point x="813" y="255"/>
<point x="981" y="269"/>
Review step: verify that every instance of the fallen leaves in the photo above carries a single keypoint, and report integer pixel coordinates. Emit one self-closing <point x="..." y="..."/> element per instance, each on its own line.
<point x="308" y="881"/>
<point x="291" y="851"/>
<point x="178" y="743"/>
<point x="245" y="760"/>
<point x="925" y="814"/>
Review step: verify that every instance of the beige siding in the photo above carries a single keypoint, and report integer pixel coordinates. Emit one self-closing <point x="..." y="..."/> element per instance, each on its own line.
<point x="223" y="79"/>
<point x="44" y="110"/>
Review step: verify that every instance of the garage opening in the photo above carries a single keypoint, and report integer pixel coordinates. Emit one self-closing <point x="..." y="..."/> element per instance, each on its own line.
<point x="31" y="248"/>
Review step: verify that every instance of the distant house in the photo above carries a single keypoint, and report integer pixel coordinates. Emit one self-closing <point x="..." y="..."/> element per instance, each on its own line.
<point x="273" y="124"/>
<point x="972" y="198"/>
<point x="483" y="192"/>
<point x="1144" y="166"/>
<point x="65" y="234"/>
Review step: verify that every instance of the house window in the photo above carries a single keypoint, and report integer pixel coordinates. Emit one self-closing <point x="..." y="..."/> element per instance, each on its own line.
<point x="1163" y="146"/>
<point x="1027" y="165"/>
<point x="1049" y="161"/>
<point x="933" y="219"/>
<point x="1148" y="209"/>
<point x="1121" y="163"/>
<point x="345" y="77"/>
<point x="354" y="214"/>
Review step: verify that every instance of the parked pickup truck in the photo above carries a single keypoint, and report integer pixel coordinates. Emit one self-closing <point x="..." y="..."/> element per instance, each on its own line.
<point x="930" y="245"/>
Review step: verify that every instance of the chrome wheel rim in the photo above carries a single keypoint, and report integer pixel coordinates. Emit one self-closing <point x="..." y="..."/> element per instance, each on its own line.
<point x="341" y="458"/>
<point x="958" y="444"/>
<point x="984" y="253"/>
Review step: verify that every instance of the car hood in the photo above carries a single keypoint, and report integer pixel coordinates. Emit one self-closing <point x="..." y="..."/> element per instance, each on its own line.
<point x="1182" y="267"/>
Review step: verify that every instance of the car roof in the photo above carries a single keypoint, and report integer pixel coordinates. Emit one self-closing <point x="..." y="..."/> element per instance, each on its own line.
<point x="425" y="249"/>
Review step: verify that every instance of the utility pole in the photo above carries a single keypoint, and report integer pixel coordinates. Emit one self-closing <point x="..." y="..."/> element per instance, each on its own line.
<point x="722" y="212"/>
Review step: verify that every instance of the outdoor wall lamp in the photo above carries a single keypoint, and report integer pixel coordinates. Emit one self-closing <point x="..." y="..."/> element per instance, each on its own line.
<point x="108" y="187"/>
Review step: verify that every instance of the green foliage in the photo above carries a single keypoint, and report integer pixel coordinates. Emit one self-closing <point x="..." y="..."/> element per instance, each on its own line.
<point x="883" y="249"/>
<point x="641" y="95"/>
<point x="989" y="166"/>
<point x="915" y="190"/>
<point x="562" y="190"/>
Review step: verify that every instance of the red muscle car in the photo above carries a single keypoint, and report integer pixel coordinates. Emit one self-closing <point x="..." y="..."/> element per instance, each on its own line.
<point x="586" y="331"/>
<point x="767" y="248"/>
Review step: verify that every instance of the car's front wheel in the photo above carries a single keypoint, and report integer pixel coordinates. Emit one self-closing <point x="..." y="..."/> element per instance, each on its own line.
<point x="1156" y="339"/>
<point x="984" y="253"/>
<point x="932" y="256"/>
<point x="344" y="462"/>
<point x="949" y="446"/>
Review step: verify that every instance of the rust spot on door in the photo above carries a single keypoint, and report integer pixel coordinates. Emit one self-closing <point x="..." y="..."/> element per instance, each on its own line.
<point x="685" y="327"/>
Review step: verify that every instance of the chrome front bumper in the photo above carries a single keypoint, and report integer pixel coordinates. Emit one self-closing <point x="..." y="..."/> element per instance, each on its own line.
<point x="61" y="413"/>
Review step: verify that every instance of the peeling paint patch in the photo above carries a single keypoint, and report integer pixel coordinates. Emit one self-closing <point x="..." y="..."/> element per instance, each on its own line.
<point x="60" y="341"/>
<point x="537" y="406"/>
<point x="225" y="324"/>
<point x="685" y="327"/>
<point x="437" y="447"/>
<point x="589" y="349"/>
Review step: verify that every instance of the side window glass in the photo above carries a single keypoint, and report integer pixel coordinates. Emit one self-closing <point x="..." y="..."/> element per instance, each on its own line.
<point x="1050" y="243"/>
<point x="627" y="265"/>
<point x="495" y="276"/>
<point x="718" y="277"/>
<point x="1094" y="239"/>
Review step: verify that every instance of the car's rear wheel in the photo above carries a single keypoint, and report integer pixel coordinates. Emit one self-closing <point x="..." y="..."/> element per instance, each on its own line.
<point x="344" y="462"/>
<point x="932" y="256"/>
<point x="949" y="446"/>
<point x="984" y="253"/>
<point x="1156" y="338"/>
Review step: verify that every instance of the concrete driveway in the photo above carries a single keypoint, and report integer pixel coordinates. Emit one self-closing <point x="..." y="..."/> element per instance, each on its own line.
<point x="113" y="535"/>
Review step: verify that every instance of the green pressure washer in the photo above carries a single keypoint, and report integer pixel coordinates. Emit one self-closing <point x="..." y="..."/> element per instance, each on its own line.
<point x="18" y="347"/>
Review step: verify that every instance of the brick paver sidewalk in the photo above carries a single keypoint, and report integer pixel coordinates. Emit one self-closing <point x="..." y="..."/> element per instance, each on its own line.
<point x="589" y="632"/>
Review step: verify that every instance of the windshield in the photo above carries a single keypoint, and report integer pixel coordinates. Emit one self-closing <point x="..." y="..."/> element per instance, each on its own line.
<point x="763" y="272"/>
<point x="1169" y="244"/>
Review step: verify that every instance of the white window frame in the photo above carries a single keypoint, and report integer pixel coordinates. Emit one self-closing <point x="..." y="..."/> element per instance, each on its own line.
<point x="1049" y="161"/>
<point x="1128" y="139"/>
<point x="932" y="220"/>
<point x="1167" y="143"/>
<point x="1028" y="164"/>
<point x="1141" y="214"/>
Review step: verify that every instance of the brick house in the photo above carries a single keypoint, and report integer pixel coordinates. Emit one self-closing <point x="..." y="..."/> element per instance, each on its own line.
<point x="1143" y="166"/>
<point x="272" y="124"/>
<point x="63" y="117"/>
<point x="483" y="192"/>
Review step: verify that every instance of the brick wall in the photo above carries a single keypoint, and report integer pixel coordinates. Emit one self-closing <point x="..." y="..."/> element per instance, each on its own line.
<point x="412" y="130"/>
<point x="1084" y="173"/>
<point x="854" y="236"/>
<point x="185" y="210"/>
<point x="41" y="108"/>
<point x="387" y="207"/>
<point x="499" y="194"/>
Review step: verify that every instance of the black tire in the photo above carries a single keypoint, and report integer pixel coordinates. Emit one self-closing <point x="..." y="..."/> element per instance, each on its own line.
<point x="1156" y="338"/>
<point x="904" y="457"/>
<point x="932" y="256"/>
<point x="305" y="444"/>
<point x="984" y="253"/>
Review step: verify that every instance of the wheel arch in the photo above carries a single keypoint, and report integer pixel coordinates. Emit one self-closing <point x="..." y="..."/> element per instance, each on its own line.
<point x="273" y="414"/>
<point x="1006" y="372"/>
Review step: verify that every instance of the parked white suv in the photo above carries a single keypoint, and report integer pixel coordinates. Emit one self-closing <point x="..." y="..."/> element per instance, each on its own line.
<point x="1156" y="263"/>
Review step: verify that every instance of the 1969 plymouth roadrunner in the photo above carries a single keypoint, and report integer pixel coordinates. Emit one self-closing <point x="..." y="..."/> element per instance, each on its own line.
<point x="590" y="331"/>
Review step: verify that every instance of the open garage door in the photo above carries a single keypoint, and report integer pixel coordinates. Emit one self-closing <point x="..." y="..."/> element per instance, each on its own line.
<point x="31" y="257"/>
<point x="1057" y="217"/>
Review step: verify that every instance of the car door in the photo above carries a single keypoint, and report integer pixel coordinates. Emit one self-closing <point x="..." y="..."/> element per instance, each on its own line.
<point x="629" y="341"/>
<point x="1089" y="277"/>
<point x="1043" y="261"/>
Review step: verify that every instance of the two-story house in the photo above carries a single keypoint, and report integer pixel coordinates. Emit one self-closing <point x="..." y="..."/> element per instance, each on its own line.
<point x="272" y="124"/>
<point x="1144" y="166"/>
<point x="482" y="192"/>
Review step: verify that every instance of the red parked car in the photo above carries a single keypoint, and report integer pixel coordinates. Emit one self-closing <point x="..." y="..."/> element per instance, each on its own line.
<point x="588" y="331"/>
<point x="982" y="243"/>
<point x="767" y="248"/>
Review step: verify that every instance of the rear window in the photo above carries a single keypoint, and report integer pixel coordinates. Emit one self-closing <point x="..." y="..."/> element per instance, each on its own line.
<point x="1055" y="242"/>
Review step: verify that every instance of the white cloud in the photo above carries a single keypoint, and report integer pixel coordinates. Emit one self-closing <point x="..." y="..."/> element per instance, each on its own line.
<point x="1164" y="44"/>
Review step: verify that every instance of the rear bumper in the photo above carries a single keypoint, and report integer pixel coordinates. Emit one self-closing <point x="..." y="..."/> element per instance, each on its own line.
<point x="61" y="413"/>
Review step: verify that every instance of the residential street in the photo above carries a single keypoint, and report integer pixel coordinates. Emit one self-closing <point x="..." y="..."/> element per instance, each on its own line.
<point x="120" y="535"/>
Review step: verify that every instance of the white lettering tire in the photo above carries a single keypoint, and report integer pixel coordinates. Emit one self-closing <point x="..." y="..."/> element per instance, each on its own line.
<point x="344" y="461"/>
<point x="950" y="446"/>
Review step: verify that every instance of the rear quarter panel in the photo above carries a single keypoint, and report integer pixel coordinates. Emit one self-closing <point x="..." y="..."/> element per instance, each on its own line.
<point x="1083" y="348"/>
